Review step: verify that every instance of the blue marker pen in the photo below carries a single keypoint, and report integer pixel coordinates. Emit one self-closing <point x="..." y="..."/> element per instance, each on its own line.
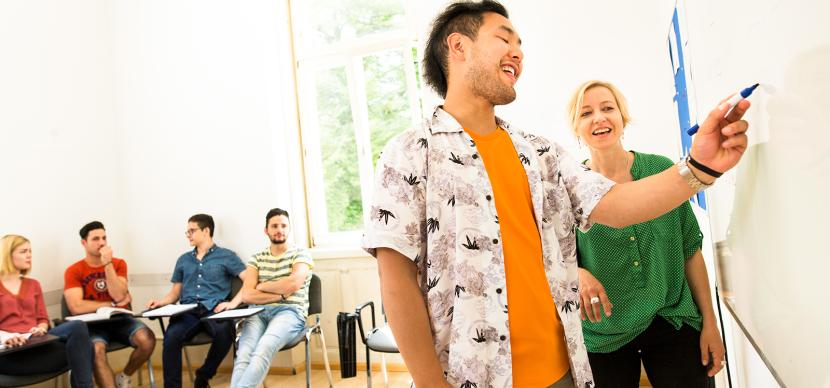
<point x="732" y="102"/>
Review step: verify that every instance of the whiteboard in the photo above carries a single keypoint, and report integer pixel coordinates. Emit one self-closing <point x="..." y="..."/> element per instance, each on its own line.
<point x="769" y="217"/>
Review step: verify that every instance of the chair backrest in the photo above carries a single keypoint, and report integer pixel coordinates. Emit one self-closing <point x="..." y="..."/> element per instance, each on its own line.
<point x="64" y="308"/>
<point x="315" y="296"/>
<point x="236" y="285"/>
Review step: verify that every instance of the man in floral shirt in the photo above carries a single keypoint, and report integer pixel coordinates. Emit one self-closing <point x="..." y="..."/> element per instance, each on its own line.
<point x="473" y="221"/>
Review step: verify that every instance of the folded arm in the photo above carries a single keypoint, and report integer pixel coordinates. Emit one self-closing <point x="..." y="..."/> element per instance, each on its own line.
<point x="78" y="305"/>
<point x="273" y="291"/>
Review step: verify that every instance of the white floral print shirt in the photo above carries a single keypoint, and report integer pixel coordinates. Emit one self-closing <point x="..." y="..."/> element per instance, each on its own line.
<point x="433" y="203"/>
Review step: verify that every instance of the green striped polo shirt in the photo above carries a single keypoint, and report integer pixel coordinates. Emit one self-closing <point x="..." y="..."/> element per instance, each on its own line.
<point x="272" y="268"/>
<point x="642" y="268"/>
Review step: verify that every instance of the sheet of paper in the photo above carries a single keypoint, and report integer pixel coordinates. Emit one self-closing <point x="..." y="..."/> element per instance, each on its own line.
<point x="237" y="313"/>
<point x="169" y="310"/>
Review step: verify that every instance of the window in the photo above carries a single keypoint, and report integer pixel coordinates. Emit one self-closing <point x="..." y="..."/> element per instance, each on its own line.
<point x="357" y="74"/>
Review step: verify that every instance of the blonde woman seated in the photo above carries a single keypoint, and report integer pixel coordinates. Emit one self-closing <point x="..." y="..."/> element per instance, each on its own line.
<point x="22" y="311"/>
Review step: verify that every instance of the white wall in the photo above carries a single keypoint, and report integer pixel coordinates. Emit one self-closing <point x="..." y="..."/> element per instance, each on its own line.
<point x="200" y="117"/>
<point x="567" y="43"/>
<point x="59" y="158"/>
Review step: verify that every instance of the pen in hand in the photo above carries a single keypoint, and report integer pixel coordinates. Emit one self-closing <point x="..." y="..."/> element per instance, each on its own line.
<point x="734" y="100"/>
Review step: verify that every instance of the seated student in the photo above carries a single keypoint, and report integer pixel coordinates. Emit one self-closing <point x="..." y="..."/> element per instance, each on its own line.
<point x="652" y="273"/>
<point x="99" y="280"/>
<point x="22" y="311"/>
<point x="202" y="275"/>
<point x="277" y="279"/>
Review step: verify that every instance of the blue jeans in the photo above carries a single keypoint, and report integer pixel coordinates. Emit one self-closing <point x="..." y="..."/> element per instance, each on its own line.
<point x="78" y="351"/>
<point x="73" y="348"/>
<point x="182" y="328"/>
<point x="262" y="336"/>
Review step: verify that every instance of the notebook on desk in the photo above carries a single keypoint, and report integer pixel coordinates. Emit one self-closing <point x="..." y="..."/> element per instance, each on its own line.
<point x="235" y="313"/>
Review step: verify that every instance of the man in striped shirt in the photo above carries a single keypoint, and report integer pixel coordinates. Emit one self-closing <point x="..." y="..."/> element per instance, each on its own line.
<point x="278" y="280"/>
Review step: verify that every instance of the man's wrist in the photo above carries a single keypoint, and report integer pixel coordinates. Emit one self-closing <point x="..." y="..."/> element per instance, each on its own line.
<point x="702" y="176"/>
<point x="703" y="168"/>
<point x="118" y="302"/>
<point x="691" y="177"/>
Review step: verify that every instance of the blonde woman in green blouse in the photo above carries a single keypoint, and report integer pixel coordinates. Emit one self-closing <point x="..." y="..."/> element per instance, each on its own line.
<point x="651" y="274"/>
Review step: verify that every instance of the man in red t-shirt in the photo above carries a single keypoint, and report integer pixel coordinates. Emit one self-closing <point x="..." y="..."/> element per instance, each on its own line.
<point x="100" y="280"/>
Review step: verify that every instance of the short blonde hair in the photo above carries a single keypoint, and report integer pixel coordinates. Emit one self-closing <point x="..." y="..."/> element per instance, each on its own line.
<point x="575" y="104"/>
<point x="8" y="244"/>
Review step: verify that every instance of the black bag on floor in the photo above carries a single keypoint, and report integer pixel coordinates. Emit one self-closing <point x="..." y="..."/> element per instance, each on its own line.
<point x="347" y="344"/>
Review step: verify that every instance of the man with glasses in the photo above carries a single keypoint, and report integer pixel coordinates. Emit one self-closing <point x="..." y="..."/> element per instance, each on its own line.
<point x="202" y="276"/>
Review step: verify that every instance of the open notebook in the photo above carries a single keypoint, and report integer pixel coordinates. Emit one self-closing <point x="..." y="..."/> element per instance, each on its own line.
<point x="102" y="314"/>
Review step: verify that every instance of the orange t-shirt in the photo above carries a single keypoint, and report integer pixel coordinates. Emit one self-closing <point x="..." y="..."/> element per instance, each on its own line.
<point x="93" y="280"/>
<point x="537" y="338"/>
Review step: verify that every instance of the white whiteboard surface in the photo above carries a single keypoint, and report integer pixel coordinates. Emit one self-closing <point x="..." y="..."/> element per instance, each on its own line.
<point x="770" y="217"/>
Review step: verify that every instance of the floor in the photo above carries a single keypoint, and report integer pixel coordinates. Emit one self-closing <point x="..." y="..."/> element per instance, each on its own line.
<point x="318" y="379"/>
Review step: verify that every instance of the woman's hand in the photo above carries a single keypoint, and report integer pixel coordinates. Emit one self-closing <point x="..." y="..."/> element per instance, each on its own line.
<point x="591" y="290"/>
<point x="711" y="344"/>
<point x="37" y="331"/>
<point x="16" y="341"/>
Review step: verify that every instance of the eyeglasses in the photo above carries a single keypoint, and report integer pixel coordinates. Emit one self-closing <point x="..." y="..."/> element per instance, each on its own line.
<point x="190" y="232"/>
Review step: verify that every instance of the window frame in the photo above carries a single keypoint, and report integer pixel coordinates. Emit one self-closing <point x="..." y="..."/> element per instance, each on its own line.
<point x="350" y="55"/>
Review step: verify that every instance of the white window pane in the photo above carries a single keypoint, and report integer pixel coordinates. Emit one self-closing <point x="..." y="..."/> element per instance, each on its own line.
<point x="333" y="21"/>
<point x="338" y="150"/>
<point x="387" y="94"/>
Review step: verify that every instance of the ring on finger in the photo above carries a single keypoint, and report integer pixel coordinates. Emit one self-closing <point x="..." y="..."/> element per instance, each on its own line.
<point x="594" y="299"/>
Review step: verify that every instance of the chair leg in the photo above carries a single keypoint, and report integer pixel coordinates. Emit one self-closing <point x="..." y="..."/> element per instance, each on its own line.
<point x="383" y="370"/>
<point x="189" y="367"/>
<point x="325" y="357"/>
<point x="368" y="369"/>
<point x="307" y="364"/>
<point x="150" y="374"/>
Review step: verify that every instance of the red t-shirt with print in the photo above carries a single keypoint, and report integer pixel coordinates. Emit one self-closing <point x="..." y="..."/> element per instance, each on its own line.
<point x="92" y="280"/>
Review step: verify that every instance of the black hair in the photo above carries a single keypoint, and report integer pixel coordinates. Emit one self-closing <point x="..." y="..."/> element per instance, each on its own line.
<point x="464" y="17"/>
<point x="90" y="227"/>
<point x="275" y="212"/>
<point x="204" y="221"/>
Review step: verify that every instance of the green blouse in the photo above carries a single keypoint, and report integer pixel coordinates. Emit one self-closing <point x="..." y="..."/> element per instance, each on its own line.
<point x="642" y="268"/>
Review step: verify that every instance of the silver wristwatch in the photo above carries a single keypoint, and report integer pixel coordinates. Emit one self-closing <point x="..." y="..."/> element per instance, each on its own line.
<point x="689" y="176"/>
